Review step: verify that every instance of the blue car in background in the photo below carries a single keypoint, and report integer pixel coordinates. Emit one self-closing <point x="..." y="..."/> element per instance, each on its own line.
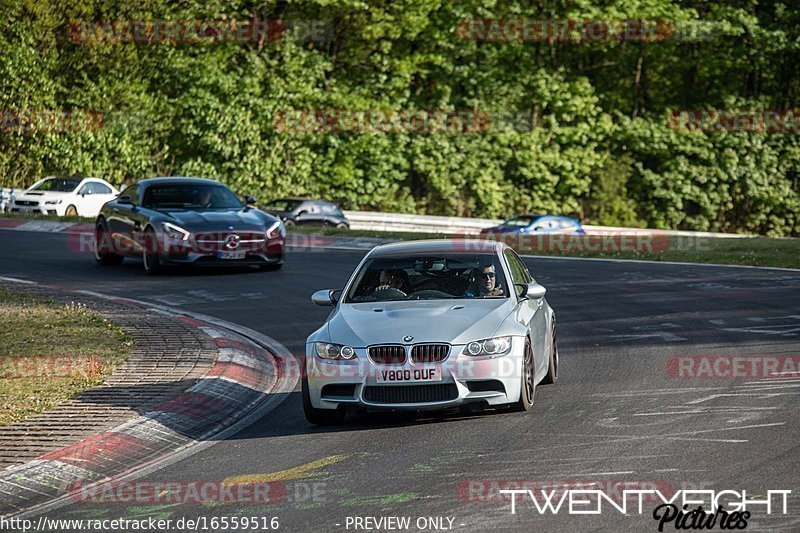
<point x="538" y="224"/>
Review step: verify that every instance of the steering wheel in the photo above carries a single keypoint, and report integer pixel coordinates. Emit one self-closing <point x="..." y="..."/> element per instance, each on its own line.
<point x="389" y="293"/>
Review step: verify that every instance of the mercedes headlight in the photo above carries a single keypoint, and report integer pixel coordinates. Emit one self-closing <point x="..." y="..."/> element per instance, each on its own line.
<point x="494" y="347"/>
<point x="276" y="229"/>
<point x="328" y="350"/>
<point x="175" y="232"/>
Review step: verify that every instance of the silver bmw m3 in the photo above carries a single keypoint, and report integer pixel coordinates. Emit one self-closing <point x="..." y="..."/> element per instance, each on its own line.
<point x="431" y="325"/>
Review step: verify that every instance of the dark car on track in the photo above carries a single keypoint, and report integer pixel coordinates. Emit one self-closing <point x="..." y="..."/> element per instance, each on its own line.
<point x="187" y="221"/>
<point x="308" y="212"/>
<point x="538" y="224"/>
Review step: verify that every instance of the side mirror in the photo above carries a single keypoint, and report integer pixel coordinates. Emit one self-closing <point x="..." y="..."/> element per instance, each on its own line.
<point x="531" y="291"/>
<point x="326" y="297"/>
<point x="250" y="200"/>
<point x="124" y="200"/>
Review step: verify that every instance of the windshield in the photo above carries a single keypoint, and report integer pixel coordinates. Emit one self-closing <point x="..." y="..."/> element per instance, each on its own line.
<point x="192" y="196"/>
<point x="520" y="221"/>
<point x="58" y="185"/>
<point x="282" y="205"/>
<point x="429" y="277"/>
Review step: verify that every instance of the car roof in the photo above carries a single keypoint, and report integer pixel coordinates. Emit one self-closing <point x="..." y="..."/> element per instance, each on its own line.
<point x="437" y="246"/>
<point x="290" y="199"/>
<point x="534" y="216"/>
<point x="176" y="179"/>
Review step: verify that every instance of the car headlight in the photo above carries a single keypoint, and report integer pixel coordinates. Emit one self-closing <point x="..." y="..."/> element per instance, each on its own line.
<point x="276" y="229"/>
<point x="53" y="202"/>
<point x="496" y="346"/>
<point x="328" y="350"/>
<point x="175" y="232"/>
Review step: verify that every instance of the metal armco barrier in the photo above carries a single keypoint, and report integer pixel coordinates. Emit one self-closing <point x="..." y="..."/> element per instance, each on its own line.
<point x="375" y="221"/>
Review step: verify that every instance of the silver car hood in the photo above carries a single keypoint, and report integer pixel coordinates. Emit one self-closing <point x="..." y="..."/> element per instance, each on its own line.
<point x="453" y="321"/>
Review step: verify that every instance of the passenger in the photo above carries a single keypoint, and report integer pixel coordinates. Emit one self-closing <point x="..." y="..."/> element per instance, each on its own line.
<point x="484" y="285"/>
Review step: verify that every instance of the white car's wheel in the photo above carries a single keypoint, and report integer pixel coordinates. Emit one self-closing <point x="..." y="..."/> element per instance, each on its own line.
<point x="320" y="417"/>
<point x="552" y="366"/>
<point x="527" y="391"/>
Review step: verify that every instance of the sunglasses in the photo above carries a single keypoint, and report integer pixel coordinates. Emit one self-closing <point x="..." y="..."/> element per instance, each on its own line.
<point x="486" y="274"/>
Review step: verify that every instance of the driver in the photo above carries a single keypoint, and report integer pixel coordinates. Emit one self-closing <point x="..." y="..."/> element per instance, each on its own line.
<point x="391" y="279"/>
<point x="205" y="197"/>
<point x="485" y="283"/>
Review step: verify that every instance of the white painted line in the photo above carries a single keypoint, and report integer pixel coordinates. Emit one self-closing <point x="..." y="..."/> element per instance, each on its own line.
<point x="675" y="263"/>
<point x="737" y="394"/>
<point x="17" y="280"/>
<point x="607" y="473"/>
<point x="732" y="429"/>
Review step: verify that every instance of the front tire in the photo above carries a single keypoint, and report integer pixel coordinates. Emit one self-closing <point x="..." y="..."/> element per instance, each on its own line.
<point x="552" y="367"/>
<point x="151" y="253"/>
<point x="71" y="211"/>
<point x="319" y="417"/>
<point x="102" y="245"/>
<point x="527" y="390"/>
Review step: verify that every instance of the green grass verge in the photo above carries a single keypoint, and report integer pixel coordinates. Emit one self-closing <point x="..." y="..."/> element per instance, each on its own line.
<point x="50" y="352"/>
<point x="39" y="216"/>
<point x="755" y="251"/>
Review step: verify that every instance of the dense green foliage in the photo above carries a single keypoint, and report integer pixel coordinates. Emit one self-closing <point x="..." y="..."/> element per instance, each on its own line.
<point x="585" y="132"/>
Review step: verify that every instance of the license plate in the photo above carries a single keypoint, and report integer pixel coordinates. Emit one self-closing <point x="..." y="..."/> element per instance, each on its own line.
<point x="409" y="375"/>
<point x="231" y="255"/>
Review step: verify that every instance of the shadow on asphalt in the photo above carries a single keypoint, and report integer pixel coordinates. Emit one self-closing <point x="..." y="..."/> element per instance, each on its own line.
<point x="288" y="420"/>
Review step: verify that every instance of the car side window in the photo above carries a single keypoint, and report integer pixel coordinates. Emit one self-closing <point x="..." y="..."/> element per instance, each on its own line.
<point x="99" y="188"/>
<point x="514" y="262"/>
<point x="525" y="270"/>
<point x="86" y="189"/>
<point x="517" y="270"/>
<point x="131" y="190"/>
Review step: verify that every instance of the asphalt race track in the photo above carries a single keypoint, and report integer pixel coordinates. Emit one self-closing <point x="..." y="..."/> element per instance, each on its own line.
<point x="616" y="415"/>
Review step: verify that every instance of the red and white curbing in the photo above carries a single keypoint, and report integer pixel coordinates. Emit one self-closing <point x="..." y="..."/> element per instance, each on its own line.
<point x="246" y="381"/>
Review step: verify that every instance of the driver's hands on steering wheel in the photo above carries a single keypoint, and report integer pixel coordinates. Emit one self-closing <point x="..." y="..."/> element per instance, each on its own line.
<point x="382" y="287"/>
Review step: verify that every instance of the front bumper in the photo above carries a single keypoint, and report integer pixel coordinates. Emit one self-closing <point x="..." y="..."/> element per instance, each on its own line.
<point x="36" y="209"/>
<point x="465" y="380"/>
<point x="266" y="252"/>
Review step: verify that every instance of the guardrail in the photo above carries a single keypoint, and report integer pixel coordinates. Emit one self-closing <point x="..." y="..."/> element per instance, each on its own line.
<point x="402" y="222"/>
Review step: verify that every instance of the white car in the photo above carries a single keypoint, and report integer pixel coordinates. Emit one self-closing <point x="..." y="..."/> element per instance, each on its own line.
<point x="69" y="196"/>
<point x="431" y="325"/>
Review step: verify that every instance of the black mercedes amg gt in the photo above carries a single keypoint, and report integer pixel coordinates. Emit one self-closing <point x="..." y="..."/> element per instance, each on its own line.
<point x="187" y="221"/>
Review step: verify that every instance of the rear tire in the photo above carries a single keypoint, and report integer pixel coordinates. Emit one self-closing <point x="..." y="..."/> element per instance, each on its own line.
<point x="319" y="417"/>
<point x="102" y="245"/>
<point x="151" y="254"/>
<point x="527" y="391"/>
<point x="552" y="367"/>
